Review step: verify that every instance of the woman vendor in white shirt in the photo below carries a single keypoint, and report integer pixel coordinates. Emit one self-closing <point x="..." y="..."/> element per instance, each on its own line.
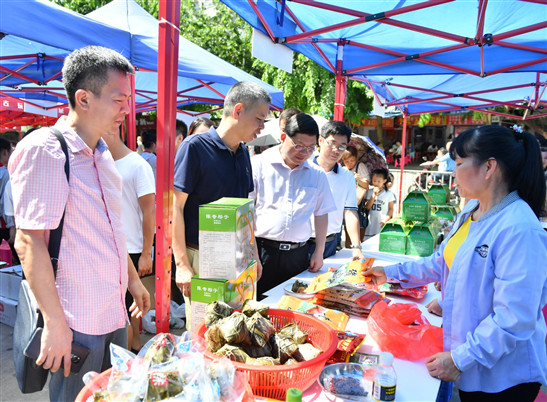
<point x="492" y="268"/>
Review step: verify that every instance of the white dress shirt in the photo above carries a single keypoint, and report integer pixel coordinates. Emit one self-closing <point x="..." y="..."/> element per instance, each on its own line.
<point x="286" y="199"/>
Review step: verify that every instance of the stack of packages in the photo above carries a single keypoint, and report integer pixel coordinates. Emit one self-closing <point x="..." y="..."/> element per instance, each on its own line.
<point x="346" y="289"/>
<point x="227" y="269"/>
<point x="426" y="218"/>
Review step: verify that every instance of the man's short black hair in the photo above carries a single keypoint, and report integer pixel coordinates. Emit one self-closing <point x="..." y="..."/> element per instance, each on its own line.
<point x="87" y="68"/>
<point x="247" y="93"/>
<point x="335" y="128"/>
<point x="287" y="114"/>
<point x="148" y="138"/>
<point x="181" y="129"/>
<point x="301" y="123"/>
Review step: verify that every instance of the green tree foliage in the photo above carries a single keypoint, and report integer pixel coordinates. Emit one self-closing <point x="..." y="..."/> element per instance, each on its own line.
<point x="220" y="31"/>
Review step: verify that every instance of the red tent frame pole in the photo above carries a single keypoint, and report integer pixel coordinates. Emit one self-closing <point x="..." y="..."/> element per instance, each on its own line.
<point x="403" y="153"/>
<point x="169" y="17"/>
<point x="341" y="83"/>
<point x="132" y="119"/>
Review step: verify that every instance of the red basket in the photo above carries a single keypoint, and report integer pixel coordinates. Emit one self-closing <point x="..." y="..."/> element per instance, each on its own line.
<point x="97" y="383"/>
<point x="274" y="381"/>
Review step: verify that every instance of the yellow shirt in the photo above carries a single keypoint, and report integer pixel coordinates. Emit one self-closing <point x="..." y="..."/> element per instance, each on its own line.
<point x="455" y="242"/>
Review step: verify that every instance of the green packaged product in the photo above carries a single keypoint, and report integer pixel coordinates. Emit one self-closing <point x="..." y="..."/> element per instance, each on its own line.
<point x="417" y="206"/>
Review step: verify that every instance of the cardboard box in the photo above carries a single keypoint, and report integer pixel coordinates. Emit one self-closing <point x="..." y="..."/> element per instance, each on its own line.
<point x="421" y="239"/>
<point x="8" y="310"/>
<point x="10" y="282"/>
<point x="444" y="212"/>
<point x="234" y="293"/>
<point x="416" y="207"/>
<point x="439" y="194"/>
<point x="393" y="237"/>
<point x="226" y="238"/>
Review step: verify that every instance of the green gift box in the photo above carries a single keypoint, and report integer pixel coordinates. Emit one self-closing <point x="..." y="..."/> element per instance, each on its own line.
<point x="444" y="212"/>
<point x="226" y="238"/>
<point x="416" y="206"/>
<point x="421" y="239"/>
<point x="439" y="194"/>
<point x="393" y="237"/>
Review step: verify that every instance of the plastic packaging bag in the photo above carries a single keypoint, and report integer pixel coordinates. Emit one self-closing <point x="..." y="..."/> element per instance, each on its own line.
<point x="176" y="321"/>
<point x="400" y="328"/>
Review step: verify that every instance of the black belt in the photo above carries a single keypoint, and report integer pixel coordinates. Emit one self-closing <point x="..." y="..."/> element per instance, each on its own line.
<point x="282" y="245"/>
<point x="330" y="237"/>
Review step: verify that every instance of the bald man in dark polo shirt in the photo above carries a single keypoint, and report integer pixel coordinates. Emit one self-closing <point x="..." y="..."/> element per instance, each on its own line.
<point x="210" y="166"/>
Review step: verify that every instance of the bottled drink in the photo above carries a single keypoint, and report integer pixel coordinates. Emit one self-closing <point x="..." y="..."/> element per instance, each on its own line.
<point x="385" y="379"/>
<point x="293" y="395"/>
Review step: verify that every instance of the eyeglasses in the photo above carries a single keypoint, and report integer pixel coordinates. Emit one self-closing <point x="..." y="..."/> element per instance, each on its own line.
<point x="302" y="148"/>
<point x="335" y="146"/>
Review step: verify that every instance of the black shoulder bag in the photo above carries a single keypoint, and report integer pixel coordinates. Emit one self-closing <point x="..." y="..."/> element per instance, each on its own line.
<point x="29" y="321"/>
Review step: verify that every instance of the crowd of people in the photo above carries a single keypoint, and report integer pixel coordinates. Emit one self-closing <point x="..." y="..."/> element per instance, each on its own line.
<point x="306" y="191"/>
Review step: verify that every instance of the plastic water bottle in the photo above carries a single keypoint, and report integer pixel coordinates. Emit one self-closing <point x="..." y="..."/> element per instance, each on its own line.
<point x="385" y="379"/>
<point x="5" y="252"/>
<point x="293" y="395"/>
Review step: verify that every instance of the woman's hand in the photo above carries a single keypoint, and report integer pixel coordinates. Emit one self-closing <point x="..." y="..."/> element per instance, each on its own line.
<point x="435" y="308"/>
<point x="442" y="367"/>
<point x="377" y="275"/>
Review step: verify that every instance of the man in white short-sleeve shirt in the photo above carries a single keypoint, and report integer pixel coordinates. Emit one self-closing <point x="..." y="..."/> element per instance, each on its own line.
<point x="289" y="191"/>
<point x="138" y="216"/>
<point x="333" y="141"/>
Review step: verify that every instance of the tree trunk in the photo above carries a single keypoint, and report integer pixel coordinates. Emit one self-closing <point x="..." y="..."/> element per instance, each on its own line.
<point x="380" y="130"/>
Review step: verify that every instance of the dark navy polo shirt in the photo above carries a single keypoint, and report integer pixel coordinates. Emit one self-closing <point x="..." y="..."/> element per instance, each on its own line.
<point x="207" y="170"/>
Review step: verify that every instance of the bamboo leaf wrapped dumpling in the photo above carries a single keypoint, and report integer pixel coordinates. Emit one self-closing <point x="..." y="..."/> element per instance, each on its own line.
<point x="250" y="307"/>
<point x="234" y="329"/>
<point x="213" y="338"/>
<point x="306" y="352"/>
<point x="261" y="329"/>
<point x="296" y="334"/>
<point x="216" y="311"/>
<point x="282" y="347"/>
<point x="233" y="353"/>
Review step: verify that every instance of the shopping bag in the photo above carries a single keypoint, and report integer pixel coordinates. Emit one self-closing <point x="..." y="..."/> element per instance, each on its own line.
<point x="400" y="328"/>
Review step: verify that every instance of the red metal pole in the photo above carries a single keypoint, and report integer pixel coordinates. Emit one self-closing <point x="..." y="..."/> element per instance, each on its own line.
<point x="341" y="82"/>
<point x="132" y="119"/>
<point x="405" y="115"/>
<point x="169" y="16"/>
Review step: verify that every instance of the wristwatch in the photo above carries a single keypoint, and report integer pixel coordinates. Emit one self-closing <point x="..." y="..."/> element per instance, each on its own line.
<point x="359" y="247"/>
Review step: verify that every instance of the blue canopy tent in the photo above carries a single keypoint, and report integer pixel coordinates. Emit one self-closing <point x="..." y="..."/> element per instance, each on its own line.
<point x="198" y="63"/>
<point x="397" y="38"/>
<point x="450" y="93"/>
<point x="38" y="35"/>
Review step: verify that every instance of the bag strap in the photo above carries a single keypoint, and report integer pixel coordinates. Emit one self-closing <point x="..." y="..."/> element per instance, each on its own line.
<point x="55" y="235"/>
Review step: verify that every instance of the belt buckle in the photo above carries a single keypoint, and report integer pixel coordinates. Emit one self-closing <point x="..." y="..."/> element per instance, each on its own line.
<point x="284" y="246"/>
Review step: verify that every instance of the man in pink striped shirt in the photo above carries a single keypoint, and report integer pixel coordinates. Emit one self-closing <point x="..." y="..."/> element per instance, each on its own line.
<point x="86" y="301"/>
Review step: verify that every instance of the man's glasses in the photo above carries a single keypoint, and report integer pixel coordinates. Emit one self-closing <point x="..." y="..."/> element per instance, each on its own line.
<point x="335" y="146"/>
<point x="301" y="148"/>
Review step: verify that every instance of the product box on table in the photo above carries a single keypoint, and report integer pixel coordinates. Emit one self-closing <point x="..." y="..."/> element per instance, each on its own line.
<point x="422" y="238"/>
<point x="234" y="293"/>
<point x="416" y="206"/>
<point x="393" y="236"/>
<point x="444" y="212"/>
<point x="10" y="281"/>
<point x="226" y="237"/>
<point x="8" y="309"/>
<point x="439" y="193"/>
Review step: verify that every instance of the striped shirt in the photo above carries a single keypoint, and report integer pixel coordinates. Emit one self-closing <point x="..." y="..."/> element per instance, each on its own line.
<point x="92" y="274"/>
